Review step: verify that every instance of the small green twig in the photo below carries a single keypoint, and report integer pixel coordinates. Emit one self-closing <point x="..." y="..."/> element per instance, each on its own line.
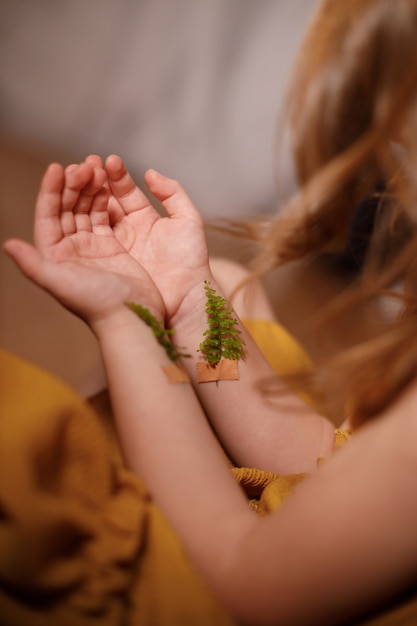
<point x="223" y="339"/>
<point x="162" y="334"/>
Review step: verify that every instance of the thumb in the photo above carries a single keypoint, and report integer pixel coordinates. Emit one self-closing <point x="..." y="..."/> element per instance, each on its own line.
<point x="172" y="195"/>
<point x="51" y="277"/>
<point x="28" y="259"/>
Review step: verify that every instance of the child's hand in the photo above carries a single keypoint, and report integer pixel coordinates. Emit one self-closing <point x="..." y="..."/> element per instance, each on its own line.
<point x="76" y="256"/>
<point x="172" y="249"/>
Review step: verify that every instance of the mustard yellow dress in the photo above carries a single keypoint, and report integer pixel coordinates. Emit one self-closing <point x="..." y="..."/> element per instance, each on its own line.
<point x="81" y="542"/>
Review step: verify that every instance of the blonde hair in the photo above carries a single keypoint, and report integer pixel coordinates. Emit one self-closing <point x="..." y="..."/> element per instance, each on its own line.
<point x="354" y="88"/>
<point x="353" y="92"/>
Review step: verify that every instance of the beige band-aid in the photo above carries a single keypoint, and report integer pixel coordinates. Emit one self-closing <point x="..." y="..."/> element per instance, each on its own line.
<point x="226" y="369"/>
<point x="176" y="375"/>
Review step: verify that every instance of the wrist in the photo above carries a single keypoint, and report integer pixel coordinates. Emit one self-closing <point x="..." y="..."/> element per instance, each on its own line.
<point x="134" y="321"/>
<point x="190" y="317"/>
<point x="209" y="326"/>
<point x="113" y="321"/>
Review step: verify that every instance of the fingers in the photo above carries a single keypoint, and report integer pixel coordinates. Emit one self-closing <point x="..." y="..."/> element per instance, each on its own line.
<point x="99" y="213"/>
<point x="172" y="196"/>
<point x="95" y="161"/>
<point x="69" y="201"/>
<point x="48" y="228"/>
<point x="82" y="183"/>
<point x="168" y="191"/>
<point x="122" y="185"/>
<point x="77" y="177"/>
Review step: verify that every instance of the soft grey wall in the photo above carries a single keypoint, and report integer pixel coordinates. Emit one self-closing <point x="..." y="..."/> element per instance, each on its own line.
<point x="190" y="87"/>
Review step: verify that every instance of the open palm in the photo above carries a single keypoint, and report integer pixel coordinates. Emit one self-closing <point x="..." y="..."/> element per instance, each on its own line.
<point x="173" y="248"/>
<point x="76" y="256"/>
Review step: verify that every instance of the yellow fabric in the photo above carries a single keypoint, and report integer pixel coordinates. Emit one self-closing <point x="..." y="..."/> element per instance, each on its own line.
<point x="81" y="542"/>
<point x="341" y="437"/>
<point x="281" y="349"/>
<point x="265" y="489"/>
<point x="284" y="354"/>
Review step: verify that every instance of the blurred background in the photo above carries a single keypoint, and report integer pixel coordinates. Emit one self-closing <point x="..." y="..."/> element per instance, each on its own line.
<point x="190" y="87"/>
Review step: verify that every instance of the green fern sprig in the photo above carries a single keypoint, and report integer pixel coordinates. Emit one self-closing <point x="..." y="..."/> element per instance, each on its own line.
<point x="161" y="334"/>
<point x="223" y="339"/>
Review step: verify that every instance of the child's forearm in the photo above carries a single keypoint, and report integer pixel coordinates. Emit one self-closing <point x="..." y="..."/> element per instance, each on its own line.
<point x="166" y="439"/>
<point x="283" y="436"/>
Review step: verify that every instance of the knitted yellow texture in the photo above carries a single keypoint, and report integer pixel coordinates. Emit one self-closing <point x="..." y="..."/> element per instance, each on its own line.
<point x="266" y="490"/>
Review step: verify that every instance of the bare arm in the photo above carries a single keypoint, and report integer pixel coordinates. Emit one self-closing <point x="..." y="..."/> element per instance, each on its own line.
<point x="345" y="540"/>
<point x="337" y="546"/>
<point x="342" y="542"/>
<point x="284" y="435"/>
<point x="288" y="437"/>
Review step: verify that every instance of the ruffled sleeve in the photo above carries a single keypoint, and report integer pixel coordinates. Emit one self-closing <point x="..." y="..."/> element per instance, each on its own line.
<point x="266" y="490"/>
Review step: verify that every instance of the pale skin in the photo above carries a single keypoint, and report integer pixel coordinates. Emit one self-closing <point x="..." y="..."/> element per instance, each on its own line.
<point x="342" y="541"/>
<point x="174" y="251"/>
